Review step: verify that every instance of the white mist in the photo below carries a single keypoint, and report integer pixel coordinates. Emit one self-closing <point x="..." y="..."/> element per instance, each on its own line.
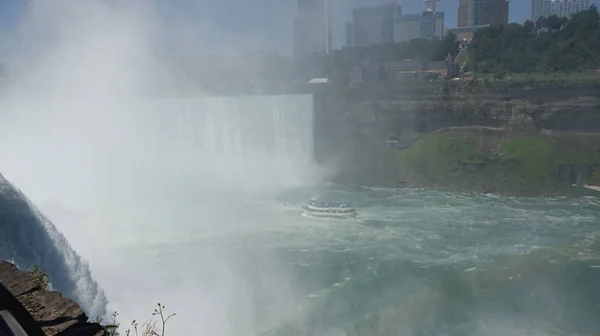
<point x="144" y="198"/>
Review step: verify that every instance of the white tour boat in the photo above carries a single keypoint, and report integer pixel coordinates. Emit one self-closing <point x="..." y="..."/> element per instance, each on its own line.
<point x="318" y="208"/>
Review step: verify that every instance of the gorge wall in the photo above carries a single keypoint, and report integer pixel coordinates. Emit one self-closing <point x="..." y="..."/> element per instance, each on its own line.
<point x="371" y="129"/>
<point x="560" y="109"/>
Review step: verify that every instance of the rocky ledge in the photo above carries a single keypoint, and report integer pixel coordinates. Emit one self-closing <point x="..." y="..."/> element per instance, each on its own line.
<point x="55" y="314"/>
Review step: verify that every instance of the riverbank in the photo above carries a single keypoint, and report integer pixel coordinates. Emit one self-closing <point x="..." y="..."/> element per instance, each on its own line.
<point x="497" y="160"/>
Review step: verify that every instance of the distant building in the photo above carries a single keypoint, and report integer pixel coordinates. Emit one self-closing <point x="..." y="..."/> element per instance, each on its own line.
<point x="374" y="25"/>
<point x="561" y="8"/>
<point x="369" y="70"/>
<point x="407" y="27"/>
<point x="312" y="27"/>
<point x="366" y="71"/>
<point x="565" y="8"/>
<point x="465" y="33"/>
<point x="482" y="12"/>
<point x="426" y="25"/>
<point x="355" y="76"/>
<point x="397" y="71"/>
<point x="350" y="33"/>
<point x="539" y="9"/>
<point x="432" y="25"/>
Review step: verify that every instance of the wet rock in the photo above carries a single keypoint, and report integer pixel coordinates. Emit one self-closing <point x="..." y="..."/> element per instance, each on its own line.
<point x="55" y="314"/>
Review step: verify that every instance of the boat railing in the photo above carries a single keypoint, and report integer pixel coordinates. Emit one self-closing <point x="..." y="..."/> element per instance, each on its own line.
<point x="333" y="209"/>
<point x="330" y="205"/>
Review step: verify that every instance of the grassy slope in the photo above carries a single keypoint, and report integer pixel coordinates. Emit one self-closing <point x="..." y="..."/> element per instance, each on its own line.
<point x="470" y="160"/>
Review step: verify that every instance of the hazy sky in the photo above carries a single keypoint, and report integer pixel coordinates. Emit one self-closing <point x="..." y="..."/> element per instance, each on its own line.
<point x="268" y="22"/>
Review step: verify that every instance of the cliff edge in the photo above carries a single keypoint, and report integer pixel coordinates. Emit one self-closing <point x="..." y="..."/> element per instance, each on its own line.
<point x="55" y="314"/>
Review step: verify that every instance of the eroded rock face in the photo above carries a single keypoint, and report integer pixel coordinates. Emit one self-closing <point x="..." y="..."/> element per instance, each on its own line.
<point x="55" y="314"/>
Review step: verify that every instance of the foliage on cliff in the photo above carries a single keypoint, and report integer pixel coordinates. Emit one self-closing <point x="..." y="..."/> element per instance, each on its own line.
<point x="472" y="89"/>
<point x="419" y="48"/>
<point x="40" y="277"/>
<point x="498" y="163"/>
<point x="549" y="45"/>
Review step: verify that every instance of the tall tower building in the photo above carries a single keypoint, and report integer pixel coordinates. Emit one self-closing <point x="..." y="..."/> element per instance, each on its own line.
<point x="312" y="27"/>
<point x="431" y="5"/>
<point x="432" y="24"/>
<point x="482" y="12"/>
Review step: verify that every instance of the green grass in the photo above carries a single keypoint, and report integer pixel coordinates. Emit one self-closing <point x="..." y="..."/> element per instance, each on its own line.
<point x="436" y="158"/>
<point x="493" y="163"/>
<point x="534" y="157"/>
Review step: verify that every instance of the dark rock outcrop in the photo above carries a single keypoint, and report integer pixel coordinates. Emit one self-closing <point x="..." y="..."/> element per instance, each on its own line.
<point x="55" y="314"/>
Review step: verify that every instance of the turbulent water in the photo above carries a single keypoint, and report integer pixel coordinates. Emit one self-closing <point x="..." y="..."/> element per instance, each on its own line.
<point x="441" y="263"/>
<point x="428" y="263"/>
<point x="208" y="223"/>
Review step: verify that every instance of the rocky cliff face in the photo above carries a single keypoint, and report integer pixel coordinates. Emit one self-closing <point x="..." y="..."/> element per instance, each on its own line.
<point x="375" y="124"/>
<point x="55" y="314"/>
<point x="576" y="110"/>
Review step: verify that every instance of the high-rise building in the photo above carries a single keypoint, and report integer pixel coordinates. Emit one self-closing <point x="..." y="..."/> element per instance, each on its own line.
<point x="565" y="8"/>
<point x="427" y="25"/>
<point x="350" y="33"/>
<point x="375" y="25"/>
<point x="407" y="27"/>
<point x="432" y="25"/>
<point x="562" y="8"/>
<point x="482" y="12"/>
<point x="312" y="27"/>
<point x="539" y="8"/>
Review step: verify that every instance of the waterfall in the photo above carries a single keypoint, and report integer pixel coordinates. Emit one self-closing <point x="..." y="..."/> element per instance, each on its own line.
<point x="257" y="140"/>
<point x="28" y="238"/>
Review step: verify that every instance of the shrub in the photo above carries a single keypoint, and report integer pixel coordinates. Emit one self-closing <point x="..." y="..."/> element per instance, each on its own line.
<point x="40" y="277"/>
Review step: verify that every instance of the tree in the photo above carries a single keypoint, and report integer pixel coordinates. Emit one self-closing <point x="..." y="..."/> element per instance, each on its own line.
<point x="552" y="44"/>
<point x="450" y="45"/>
<point x="419" y="48"/>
